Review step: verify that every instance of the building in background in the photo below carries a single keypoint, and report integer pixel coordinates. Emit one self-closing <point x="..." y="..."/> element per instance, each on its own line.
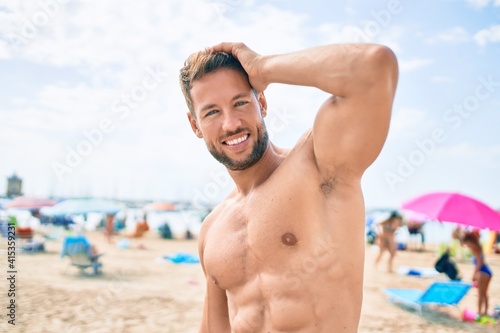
<point x="14" y="186"/>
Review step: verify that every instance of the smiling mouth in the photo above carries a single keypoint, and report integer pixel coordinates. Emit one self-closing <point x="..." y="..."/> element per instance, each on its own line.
<point x="237" y="140"/>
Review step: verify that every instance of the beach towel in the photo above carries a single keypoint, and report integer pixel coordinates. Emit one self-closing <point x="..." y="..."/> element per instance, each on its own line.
<point x="423" y="272"/>
<point x="182" y="258"/>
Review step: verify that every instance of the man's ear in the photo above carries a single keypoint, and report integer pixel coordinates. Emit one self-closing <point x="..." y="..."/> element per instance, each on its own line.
<point x="263" y="104"/>
<point x="194" y="125"/>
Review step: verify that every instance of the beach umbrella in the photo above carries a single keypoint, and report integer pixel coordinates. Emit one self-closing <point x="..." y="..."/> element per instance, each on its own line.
<point x="29" y="203"/>
<point x="455" y="207"/>
<point x="83" y="206"/>
<point x="412" y="216"/>
<point x="160" y="206"/>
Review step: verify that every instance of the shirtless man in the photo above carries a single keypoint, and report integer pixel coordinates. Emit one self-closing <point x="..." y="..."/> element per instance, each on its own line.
<point x="284" y="252"/>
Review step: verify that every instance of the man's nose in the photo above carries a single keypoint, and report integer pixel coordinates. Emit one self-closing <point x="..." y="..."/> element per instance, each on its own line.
<point x="231" y="121"/>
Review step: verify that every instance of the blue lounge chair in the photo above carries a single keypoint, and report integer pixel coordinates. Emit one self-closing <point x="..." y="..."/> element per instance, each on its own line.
<point x="442" y="293"/>
<point x="78" y="249"/>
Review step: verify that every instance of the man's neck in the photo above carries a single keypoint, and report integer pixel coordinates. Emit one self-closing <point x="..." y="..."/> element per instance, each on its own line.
<point x="247" y="180"/>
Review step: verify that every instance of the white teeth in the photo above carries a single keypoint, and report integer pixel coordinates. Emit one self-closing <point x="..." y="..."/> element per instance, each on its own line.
<point x="236" y="141"/>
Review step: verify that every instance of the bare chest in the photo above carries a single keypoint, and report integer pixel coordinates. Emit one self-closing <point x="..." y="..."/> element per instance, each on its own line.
<point x="263" y="237"/>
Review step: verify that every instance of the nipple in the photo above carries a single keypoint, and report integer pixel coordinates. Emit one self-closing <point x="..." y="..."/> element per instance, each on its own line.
<point x="289" y="239"/>
<point x="214" y="279"/>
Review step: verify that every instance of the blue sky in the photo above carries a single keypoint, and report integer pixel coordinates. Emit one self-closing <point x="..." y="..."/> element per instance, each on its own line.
<point x="90" y="104"/>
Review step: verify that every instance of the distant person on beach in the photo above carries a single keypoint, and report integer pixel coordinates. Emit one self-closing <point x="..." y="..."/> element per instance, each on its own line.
<point x="284" y="252"/>
<point x="482" y="272"/>
<point x="386" y="239"/>
<point x="496" y="245"/>
<point x="109" y="227"/>
<point x="415" y="228"/>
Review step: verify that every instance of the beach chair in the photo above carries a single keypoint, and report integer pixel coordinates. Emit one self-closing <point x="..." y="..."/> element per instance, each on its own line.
<point x="441" y="293"/>
<point x="52" y="232"/>
<point x="79" y="251"/>
<point x="4" y="228"/>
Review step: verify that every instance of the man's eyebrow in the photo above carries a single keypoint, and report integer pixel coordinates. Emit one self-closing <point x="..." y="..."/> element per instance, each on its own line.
<point x="208" y="106"/>
<point x="240" y="95"/>
<point x="212" y="105"/>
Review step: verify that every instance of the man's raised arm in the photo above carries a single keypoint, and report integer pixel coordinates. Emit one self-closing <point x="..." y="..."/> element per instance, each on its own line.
<point x="351" y="126"/>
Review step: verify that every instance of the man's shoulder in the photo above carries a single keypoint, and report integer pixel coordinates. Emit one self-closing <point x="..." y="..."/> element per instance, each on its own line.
<point x="216" y="211"/>
<point x="299" y="156"/>
<point x="303" y="148"/>
<point x="305" y="139"/>
<point x="211" y="218"/>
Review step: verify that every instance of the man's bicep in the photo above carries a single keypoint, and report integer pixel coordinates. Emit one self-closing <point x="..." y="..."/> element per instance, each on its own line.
<point x="215" y="310"/>
<point x="350" y="132"/>
<point x="215" y="316"/>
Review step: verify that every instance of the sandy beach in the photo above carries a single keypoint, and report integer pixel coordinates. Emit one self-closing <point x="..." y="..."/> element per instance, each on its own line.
<point x="141" y="292"/>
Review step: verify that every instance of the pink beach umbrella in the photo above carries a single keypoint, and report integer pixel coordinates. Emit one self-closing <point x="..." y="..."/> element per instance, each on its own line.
<point x="456" y="208"/>
<point x="413" y="216"/>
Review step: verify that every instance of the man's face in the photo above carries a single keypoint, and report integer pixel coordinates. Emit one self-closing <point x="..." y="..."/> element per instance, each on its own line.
<point x="229" y="117"/>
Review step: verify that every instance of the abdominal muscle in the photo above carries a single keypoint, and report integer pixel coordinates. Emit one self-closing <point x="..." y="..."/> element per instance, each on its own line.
<point x="279" y="314"/>
<point x="304" y="296"/>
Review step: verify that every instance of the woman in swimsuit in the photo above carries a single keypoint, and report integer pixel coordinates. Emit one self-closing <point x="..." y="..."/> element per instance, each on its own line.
<point x="386" y="239"/>
<point x="482" y="272"/>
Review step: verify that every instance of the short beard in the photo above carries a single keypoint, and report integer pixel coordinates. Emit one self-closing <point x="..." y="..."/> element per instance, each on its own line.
<point x="258" y="150"/>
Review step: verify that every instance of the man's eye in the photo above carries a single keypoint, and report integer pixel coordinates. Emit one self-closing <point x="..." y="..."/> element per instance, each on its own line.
<point x="240" y="103"/>
<point x="211" y="112"/>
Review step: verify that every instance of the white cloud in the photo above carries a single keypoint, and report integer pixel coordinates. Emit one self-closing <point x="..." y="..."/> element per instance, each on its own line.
<point x="479" y="3"/>
<point x="489" y="35"/>
<point x="467" y="152"/>
<point x="391" y="38"/>
<point x="453" y="35"/>
<point x="406" y="119"/>
<point x="338" y="33"/>
<point x="102" y="50"/>
<point x="142" y="33"/>
<point x="483" y="3"/>
<point x="110" y="45"/>
<point x="407" y="65"/>
<point x="351" y="11"/>
<point x="5" y="51"/>
<point x="342" y="33"/>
